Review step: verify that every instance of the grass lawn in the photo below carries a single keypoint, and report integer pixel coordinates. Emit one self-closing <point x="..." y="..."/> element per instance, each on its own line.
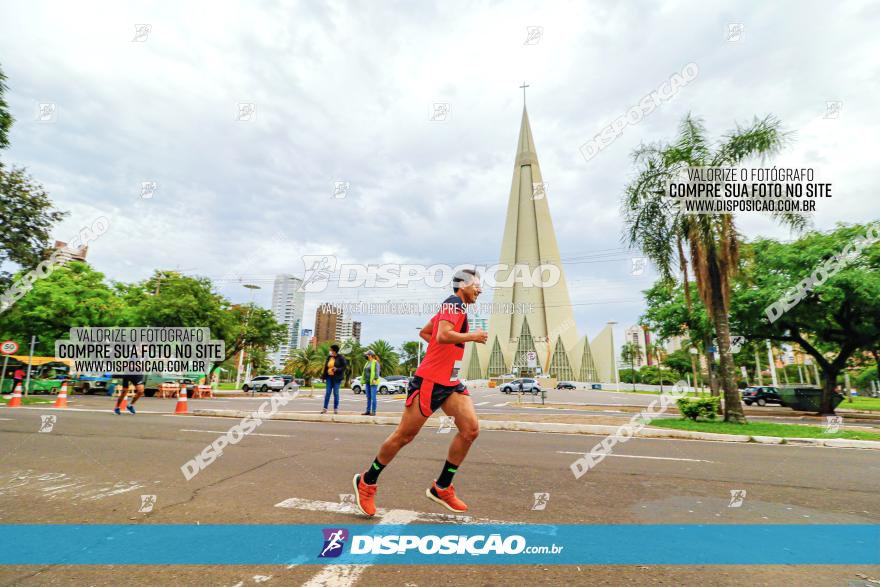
<point x="26" y="401"/>
<point x="764" y="429"/>
<point x="230" y="385"/>
<point x="868" y="404"/>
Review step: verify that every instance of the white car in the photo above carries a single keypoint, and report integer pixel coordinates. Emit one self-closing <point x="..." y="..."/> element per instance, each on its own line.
<point x="385" y="385"/>
<point x="264" y="383"/>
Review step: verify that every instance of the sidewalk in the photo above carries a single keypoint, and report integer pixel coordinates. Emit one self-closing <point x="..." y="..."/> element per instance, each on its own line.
<point x="591" y="425"/>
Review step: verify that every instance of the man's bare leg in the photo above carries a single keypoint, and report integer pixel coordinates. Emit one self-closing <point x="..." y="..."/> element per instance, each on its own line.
<point x="123" y="393"/>
<point x="408" y="428"/>
<point x="460" y="407"/>
<point x="138" y="392"/>
<point x="365" y="485"/>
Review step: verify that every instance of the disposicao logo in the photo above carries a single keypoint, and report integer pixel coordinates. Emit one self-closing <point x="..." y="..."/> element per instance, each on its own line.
<point x="334" y="540"/>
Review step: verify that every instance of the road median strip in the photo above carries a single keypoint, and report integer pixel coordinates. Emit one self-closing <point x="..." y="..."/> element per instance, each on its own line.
<point x="559" y="428"/>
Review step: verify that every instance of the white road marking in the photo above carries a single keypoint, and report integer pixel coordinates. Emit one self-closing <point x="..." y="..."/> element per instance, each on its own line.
<point x="482" y="403"/>
<point x="500" y="405"/>
<point x="346" y="575"/>
<point x="567" y="452"/>
<point x="296" y="503"/>
<point x="250" y="434"/>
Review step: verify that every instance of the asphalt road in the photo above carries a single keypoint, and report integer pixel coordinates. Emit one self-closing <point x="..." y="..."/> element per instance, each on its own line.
<point x="92" y="467"/>
<point x="487" y="401"/>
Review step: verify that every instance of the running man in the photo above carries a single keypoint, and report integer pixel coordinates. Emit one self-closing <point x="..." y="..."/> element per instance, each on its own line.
<point x="128" y="380"/>
<point x="435" y="385"/>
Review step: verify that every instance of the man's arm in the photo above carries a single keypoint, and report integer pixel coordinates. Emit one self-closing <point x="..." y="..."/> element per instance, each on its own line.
<point x="446" y="334"/>
<point x="425" y="332"/>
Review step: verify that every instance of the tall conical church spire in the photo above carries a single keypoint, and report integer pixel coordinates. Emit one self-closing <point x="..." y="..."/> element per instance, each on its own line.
<point x="528" y="243"/>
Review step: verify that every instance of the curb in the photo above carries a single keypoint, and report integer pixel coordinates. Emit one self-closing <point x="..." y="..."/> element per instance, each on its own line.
<point x="559" y="428"/>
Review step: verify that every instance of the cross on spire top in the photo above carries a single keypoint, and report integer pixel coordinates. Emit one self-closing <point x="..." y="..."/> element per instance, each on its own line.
<point x="523" y="87"/>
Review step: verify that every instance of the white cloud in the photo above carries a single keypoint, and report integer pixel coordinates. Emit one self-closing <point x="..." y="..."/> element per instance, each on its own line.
<point x="343" y="93"/>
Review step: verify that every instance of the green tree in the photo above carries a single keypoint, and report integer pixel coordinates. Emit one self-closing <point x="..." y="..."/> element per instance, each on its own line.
<point x="306" y="363"/>
<point x="28" y="217"/>
<point x="657" y="227"/>
<point x="409" y="356"/>
<point x="631" y="354"/>
<point x="388" y="357"/>
<point x="670" y="314"/>
<point x="356" y="355"/>
<point x="28" y="214"/>
<point x="71" y="296"/>
<point x="170" y="299"/>
<point x="5" y="117"/>
<point x="831" y="320"/>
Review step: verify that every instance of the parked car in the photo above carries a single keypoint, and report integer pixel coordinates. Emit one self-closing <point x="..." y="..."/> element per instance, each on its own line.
<point x="528" y="386"/>
<point x="390" y="385"/>
<point x="264" y="383"/>
<point x="761" y="395"/>
<point x="565" y="385"/>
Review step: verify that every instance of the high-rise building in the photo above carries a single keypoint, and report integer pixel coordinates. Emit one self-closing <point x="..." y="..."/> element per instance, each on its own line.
<point x="305" y="337"/>
<point x="287" y="306"/>
<point x="326" y="318"/>
<point x="528" y="245"/>
<point x="638" y="336"/>
<point x="331" y="325"/>
<point x="344" y="328"/>
<point x="70" y="254"/>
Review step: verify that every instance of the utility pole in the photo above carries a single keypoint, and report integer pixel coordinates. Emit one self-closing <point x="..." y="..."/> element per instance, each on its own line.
<point x="27" y="385"/>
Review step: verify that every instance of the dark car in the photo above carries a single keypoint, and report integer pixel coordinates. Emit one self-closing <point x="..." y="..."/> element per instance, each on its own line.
<point x="761" y="395"/>
<point x="565" y="385"/>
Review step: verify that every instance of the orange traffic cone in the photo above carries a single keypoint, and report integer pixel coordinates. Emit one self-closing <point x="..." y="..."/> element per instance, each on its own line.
<point x="61" y="400"/>
<point x="181" y="401"/>
<point x="15" y="400"/>
<point x="124" y="394"/>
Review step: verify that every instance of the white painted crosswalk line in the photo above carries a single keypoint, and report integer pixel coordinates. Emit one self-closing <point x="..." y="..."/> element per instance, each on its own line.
<point x="500" y="405"/>
<point x="482" y="403"/>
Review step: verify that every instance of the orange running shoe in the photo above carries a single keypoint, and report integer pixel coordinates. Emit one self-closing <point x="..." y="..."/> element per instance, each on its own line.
<point x="446" y="498"/>
<point x="364" y="495"/>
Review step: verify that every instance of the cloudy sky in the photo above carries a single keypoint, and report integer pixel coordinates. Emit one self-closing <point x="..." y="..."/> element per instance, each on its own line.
<point x="345" y="92"/>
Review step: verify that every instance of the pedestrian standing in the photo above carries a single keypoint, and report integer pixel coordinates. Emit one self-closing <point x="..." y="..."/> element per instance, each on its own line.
<point x="334" y="371"/>
<point x="372" y="372"/>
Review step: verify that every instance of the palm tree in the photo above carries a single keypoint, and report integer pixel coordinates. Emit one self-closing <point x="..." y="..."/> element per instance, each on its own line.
<point x="630" y="353"/>
<point x="656" y="226"/>
<point x="356" y="355"/>
<point x="308" y="362"/>
<point x="388" y="357"/>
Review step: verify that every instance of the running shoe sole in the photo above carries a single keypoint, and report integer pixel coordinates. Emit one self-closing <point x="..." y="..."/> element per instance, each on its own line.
<point x="357" y="494"/>
<point x="441" y="502"/>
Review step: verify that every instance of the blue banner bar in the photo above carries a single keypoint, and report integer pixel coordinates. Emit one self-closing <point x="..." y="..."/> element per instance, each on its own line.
<point x="433" y="544"/>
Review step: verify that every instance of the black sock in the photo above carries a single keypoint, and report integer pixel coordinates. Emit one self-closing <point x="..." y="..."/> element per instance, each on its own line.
<point x="372" y="473"/>
<point x="445" y="478"/>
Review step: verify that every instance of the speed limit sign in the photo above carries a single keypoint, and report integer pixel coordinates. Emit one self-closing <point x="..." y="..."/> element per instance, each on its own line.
<point x="8" y="347"/>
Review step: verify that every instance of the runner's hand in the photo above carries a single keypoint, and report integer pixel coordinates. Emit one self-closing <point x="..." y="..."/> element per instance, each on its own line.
<point x="480" y="336"/>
